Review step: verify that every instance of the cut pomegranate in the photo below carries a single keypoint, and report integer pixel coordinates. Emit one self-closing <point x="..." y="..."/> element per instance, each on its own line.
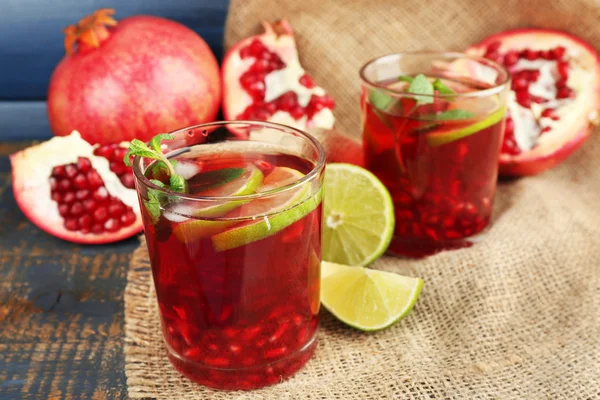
<point x="264" y="80"/>
<point x="554" y="100"/>
<point x="76" y="191"/>
<point x="115" y="153"/>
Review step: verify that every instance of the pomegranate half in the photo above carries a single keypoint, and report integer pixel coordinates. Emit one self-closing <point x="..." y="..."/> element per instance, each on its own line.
<point x="132" y="79"/>
<point x="554" y="99"/>
<point x="65" y="188"/>
<point x="264" y="80"/>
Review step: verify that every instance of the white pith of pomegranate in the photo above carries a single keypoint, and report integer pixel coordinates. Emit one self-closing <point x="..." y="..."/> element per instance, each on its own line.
<point x="554" y="99"/>
<point x="69" y="192"/>
<point x="264" y="80"/>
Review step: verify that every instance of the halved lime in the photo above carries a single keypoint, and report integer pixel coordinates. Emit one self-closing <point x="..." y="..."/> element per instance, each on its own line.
<point x="367" y="299"/>
<point x="438" y="138"/>
<point x="358" y="216"/>
<point x="239" y="181"/>
<point x="275" y="213"/>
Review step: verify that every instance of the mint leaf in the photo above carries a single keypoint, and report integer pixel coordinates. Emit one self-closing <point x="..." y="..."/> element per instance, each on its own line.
<point x="422" y="88"/>
<point x="442" y="88"/>
<point x="379" y="99"/>
<point x="155" y="142"/>
<point x="160" y="171"/>
<point x="454" y="114"/>
<point x="177" y="183"/>
<point x="406" y="78"/>
<point x="139" y="148"/>
<point x="153" y="203"/>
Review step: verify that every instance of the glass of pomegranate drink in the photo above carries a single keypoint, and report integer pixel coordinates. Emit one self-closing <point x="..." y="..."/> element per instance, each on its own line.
<point x="236" y="257"/>
<point x="432" y="126"/>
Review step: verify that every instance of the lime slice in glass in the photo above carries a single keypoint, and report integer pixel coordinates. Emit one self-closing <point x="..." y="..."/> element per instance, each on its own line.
<point x="274" y="213"/>
<point x="476" y="106"/>
<point x="358" y="216"/>
<point x="217" y="183"/>
<point x="367" y="299"/>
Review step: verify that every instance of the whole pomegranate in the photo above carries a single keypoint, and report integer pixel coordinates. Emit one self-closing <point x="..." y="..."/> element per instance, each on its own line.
<point x="132" y="79"/>
<point x="76" y="191"/>
<point x="554" y="100"/>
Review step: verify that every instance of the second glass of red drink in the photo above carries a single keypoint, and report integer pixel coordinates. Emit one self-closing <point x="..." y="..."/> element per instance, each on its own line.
<point x="236" y="260"/>
<point x="432" y="130"/>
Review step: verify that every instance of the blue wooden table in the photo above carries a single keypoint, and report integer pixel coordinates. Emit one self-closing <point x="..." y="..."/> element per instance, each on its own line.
<point x="61" y="304"/>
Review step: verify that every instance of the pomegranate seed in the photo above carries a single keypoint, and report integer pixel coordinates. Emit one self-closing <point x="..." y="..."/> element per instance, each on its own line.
<point x="77" y="209"/>
<point x="127" y="219"/>
<point x="328" y="101"/>
<point x="558" y="52"/>
<point x="563" y="93"/>
<point x="97" y="228"/>
<point x="82" y="194"/>
<point x="277" y="352"/>
<point x="563" y="69"/>
<point x="217" y="362"/>
<point x="256" y="47"/>
<point x="85" y="221"/>
<point x="297" y="112"/>
<point x="509" y="125"/>
<point x="71" y="170"/>
<point x="58" y="171"/>
<point x="520" y="84"/>
<point x="118" y="167"/>
<point x="260" y="66"/>
<point x="537" y="99"/>
<point x="84" y="164"/>
<point x="546" y="54"/>
<point x="89" y="204"/>
<point x="94" y="179"/>
<point x="100" y="194"/>
<point x="511" y="58"/>
<point x="533" y="75"/>
<point x="111" y="225"/>
<point x="119" y="154"/>
<point x="493" y="46"/>
<point x="278" y="333"/>
<point x="64" y="185"/>
<point x="561" y="83"/>
<point x="80" y="181"/>
<point x="545" y="130"/>
<point x="306" y="81"/>
<point x="245" y="52"/>
<point x="270" y="107"/>
<point x="100" y="214"/>
<point x="71" y="224"/>
<point x="287" y="101"/>
<point x="69" y="198"/>
<point x="234" y="348"/>
<point x="523" y="98"/>
<point x="448" y="222"/>
<point x="57" y="197"/>
<point x="531" y="54"/>
<point x="104" y="151"/>
<point x="453" y="235"/>
<point x="117" y="208"/>
<point x="127" y="180"/>
<point x="63" y="210"/>
<point x="550" y="113"/>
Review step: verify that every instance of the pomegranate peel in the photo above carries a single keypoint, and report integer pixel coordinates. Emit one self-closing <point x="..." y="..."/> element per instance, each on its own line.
<point x="264" y="80"/>
<point x="555" y="96"/>
<point x="71" y="193"/>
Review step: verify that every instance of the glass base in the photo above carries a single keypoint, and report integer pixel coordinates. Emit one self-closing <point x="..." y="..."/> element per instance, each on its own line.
<point x="243" y="378"/>
<point x="418" y="248"/>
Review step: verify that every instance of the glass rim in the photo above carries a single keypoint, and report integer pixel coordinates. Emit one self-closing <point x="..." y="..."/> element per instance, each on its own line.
<point x="497" y="88"/>
<point x="319" y="165"/>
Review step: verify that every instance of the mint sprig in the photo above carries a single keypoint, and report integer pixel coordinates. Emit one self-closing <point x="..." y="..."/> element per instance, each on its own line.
<point x="177" y="183"/>
<point x="422" y="88"/>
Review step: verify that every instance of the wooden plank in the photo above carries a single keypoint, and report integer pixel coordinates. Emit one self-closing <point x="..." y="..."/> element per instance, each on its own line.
<point x="61" y="309"/>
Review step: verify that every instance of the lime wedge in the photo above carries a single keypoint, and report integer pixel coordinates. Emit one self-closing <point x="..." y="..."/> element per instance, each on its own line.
<point x="367" y="299"/>
<point x="358" y="216"/>
<point x="438" y="138"/>
<point x="296" y="202"/>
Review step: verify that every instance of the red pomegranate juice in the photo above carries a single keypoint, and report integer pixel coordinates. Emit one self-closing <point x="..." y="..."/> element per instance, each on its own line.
<point x="246" y="316"/>
<point x="442" y="190"/>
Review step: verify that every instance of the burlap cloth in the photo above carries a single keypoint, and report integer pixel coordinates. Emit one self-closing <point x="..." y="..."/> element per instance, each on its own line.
<point x="515" y="317"/>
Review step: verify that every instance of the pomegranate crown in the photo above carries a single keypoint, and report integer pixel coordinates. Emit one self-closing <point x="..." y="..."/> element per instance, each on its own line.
<point x="90" y="31"/>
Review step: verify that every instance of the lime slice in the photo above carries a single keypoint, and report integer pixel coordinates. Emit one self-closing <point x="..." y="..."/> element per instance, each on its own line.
<point x="240" y="181"/>
<point x="367" y="299"/>
<point x="246" y="183"/>
<point x="272" y="220"/>
<point x="358" y="216"/>
<point x="439" y="138"/>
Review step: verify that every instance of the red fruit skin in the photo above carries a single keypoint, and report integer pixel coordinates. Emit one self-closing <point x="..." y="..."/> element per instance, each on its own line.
<point x="537" y="161"/>
<point x="527" y="166"/>
<point x="151" y="75"/>
<point x="340" y="148"/>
